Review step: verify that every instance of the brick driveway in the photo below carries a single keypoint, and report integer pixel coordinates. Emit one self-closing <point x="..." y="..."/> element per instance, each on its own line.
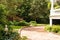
<point x="38" y="33"/>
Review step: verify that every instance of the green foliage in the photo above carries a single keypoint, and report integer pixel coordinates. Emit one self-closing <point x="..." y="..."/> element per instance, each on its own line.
<point x="33" y="23"/>
<point x="24" y="38"/>
<point x="9" y="35"/>
<point x="37" y="9"/>
<point x="3" y="19"/>
<point x="23" y="23"/>
<point x="24" y="8"/>
<point x="57" y="5"/>
<point x="13" y="23"/>
<point x="15" y="27"/>
<point x="33" y="9"/>
<point x="27" y="9"/>
<point x="48" y="28"/>
<point x="1" y="27"/>
<point x="55" y="28"/>
<point x="49" y="4"/>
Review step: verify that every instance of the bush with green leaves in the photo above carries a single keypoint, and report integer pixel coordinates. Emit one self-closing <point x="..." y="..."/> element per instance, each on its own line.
<point x="23" y="23"/>
<point x="33" y="23"/>
<point x="24" y="38"/>
<point x="48" y="28"/>
<point x="3" y="13"/>
<point x="9" y="35"/>
<point x="55" y="28"/>
<point x="15" y="27"/>
<point x="13" y="23"/>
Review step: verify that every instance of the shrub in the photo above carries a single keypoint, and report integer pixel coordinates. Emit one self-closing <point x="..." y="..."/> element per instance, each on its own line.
<point x="54" y="28"/>
<point x="13" y="23"/>
<point x="23" y="23"/>
<point x="9" y="36"/>
<point x="48" y="28"/>
<point x="24" y="38"/>
<point x="10" y="23"/>
<point x="33" y="23"/>
<point x="15" y="27"/>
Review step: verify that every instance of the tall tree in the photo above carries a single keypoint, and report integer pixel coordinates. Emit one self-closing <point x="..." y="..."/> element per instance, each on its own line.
<point x="24" y="8"/>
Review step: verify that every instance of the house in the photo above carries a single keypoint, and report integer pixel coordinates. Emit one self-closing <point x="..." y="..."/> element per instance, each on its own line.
<point x="54" y="13"/>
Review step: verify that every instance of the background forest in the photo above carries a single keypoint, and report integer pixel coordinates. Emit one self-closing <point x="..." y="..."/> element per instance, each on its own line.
<point x="28" y="10"/>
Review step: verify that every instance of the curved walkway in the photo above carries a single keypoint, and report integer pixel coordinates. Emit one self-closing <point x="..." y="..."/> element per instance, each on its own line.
<point x="38" y="33"/>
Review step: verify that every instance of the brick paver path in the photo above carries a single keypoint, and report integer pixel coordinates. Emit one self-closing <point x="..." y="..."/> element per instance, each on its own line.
<point x="38" y="33"/>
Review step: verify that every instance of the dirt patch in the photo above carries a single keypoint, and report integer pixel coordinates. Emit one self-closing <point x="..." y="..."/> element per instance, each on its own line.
<point x="39" y="29"/>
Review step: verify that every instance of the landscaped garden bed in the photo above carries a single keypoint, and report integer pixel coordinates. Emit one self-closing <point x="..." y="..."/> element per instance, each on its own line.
<point x="54" y="28"/>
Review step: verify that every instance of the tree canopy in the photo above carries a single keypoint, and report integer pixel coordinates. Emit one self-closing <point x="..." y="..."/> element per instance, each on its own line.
<point x="26" y="9"/>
